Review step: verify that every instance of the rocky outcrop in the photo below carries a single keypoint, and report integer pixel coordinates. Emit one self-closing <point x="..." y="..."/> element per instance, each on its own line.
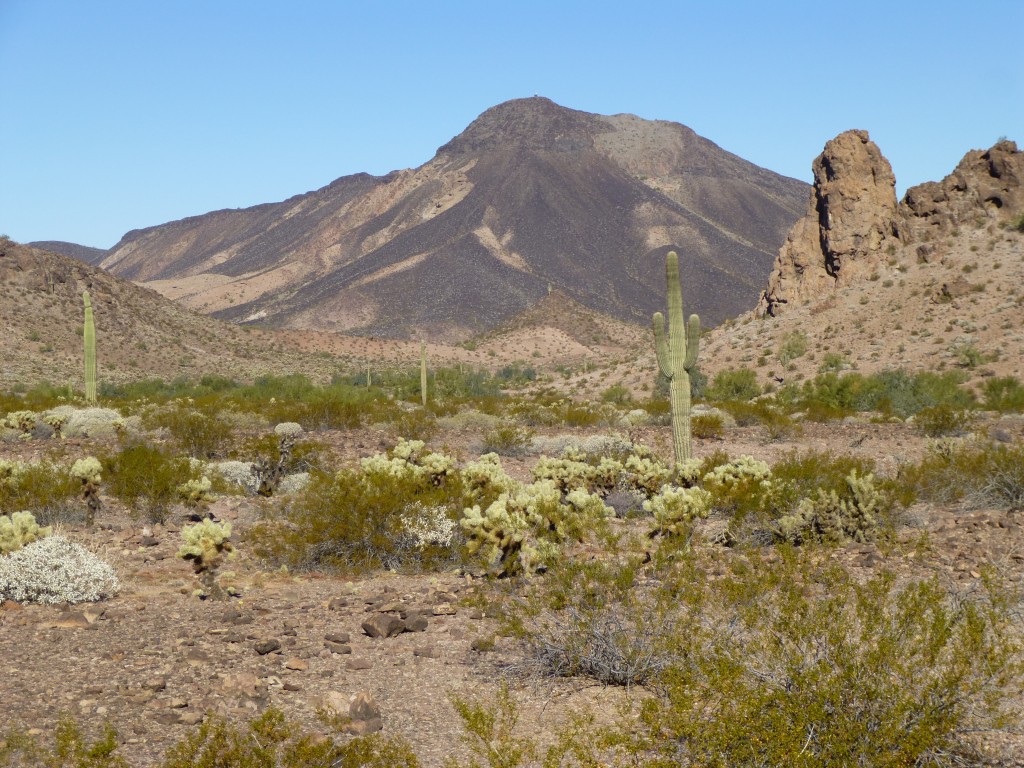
<point x="852" y="216"/>
<point x="851" y="213"/>
<point x="986" y="184"/>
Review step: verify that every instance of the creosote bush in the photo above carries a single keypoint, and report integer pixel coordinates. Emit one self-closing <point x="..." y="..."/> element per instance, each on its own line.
<point x="149" y="479"/>
<point x="47" y="490"/>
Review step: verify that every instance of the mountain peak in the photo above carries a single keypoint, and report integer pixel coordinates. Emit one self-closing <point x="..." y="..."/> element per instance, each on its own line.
<point x="535" y="123"/>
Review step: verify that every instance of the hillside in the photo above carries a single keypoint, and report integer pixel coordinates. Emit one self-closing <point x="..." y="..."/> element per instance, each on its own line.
<point x="531" y="197"/>
<point x="85" y="253"/>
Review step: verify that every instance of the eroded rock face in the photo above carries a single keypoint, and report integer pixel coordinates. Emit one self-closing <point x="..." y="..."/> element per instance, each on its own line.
<point x="851" y="213"/>
<point x="985" y="184"/>
<point x="852" y="216"/>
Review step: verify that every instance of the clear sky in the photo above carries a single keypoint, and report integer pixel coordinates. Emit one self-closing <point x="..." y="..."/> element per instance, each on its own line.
<point x="120" y="114"/>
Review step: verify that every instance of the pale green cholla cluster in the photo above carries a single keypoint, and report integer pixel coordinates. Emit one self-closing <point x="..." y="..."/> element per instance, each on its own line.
<point x="407" y="461"/>
<point x="195" y="491"/>
<point x="675" y="509"/>
<point x="88" y="470"/>
<point x="19" y="529"/>
<point x="834" y="518"/>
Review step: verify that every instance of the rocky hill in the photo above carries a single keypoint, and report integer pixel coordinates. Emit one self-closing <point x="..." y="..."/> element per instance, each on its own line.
<point x="139" y="332"/>
<point x="85" y="253"/>
<point x="531" y="198"/>
<point x="865" y="283"/>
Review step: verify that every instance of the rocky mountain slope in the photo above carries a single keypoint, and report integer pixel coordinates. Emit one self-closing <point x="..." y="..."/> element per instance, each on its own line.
<point x="85" y="253"/>
<point x="139" y="332"/>
<point x="530" y="198"/>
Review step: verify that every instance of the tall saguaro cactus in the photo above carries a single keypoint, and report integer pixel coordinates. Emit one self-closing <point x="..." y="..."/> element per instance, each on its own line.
<point x="423" y="373"/>
<point x="677" y="357"/>
<point x="89" y="334"/>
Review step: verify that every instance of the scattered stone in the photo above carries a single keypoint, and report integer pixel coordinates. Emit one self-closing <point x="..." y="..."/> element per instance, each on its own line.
<point x="364" y="715"/>
<point x="383" y="625"/>
<point x="417" y="623"/>
<point x="444" y="609"/>
<point x="358" y="663"/>
<point x="339" y="648"/>
<point x="338" y="637"/>
<point x="263" y="647"/>
<point x="427" y="652"/>
<point x="296" y="664"/>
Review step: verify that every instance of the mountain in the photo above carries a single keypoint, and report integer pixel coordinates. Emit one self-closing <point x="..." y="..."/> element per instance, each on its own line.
<point x="531" y="198"/>
<point x="81" y="252"/>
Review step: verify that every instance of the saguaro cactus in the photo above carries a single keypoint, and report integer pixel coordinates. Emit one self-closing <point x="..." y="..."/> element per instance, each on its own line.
<point x="677" y="356"/>
<point x="90" y="350"/>
<point x="423" y="373"/>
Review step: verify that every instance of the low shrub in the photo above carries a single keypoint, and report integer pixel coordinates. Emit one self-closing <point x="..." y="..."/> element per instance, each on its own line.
<point x="508" y="440"/>
<point x="944" y="421"/>
<point x="739" y="384"/>
<point x="707" y="426"/>
<point x="47" y="490"/>
<point x="973" y="473"/>
<point x="201" y="431"/>
<point x="1003" y="393"/>
<point x="54" y="570"/>
<point x="147" y="478"/>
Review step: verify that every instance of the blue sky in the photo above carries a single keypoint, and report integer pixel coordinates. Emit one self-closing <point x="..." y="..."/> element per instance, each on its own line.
<point x="118" y="115"/>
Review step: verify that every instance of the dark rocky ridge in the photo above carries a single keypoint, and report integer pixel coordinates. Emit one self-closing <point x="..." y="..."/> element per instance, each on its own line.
<point x="530" y="197"/>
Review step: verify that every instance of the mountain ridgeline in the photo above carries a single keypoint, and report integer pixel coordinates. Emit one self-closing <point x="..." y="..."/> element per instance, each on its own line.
<point x="531" y="198"/>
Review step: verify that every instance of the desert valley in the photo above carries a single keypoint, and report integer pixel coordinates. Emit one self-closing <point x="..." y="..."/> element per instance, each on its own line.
<point x="395" y="473"/>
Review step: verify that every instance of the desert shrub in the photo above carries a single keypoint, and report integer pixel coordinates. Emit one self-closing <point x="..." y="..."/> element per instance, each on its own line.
<point x="47" y="490"/>
<point x="594" y="619"/>
<point x="777" y="424"/>
<point x="71" y="748"/>
<point x="616" y="394"/>
<point x="1003" y="393"/>
<point x="786" y="664"/>
<point x="894" y="391"/>
<point x="54" y="570"/>
<point x="198" y="430"/>
<point x="734" y="384"/>
<point x="562" y="412"/>
<point x="508" y="440"/>
<point x="146" y="478"/>
<point x="973" y="473"/>
<point x="943" y="421"/>
<point x="792" y="345"/>
<point x="370" y="517"/>
<point x="707" y="426"/>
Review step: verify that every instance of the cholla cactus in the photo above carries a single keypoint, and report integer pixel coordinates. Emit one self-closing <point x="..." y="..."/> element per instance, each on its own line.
<point x="675" y="509"/>
<point x="88" y="471"/>
<point x="486" y="475"/>
<point x="10" y="471"/>
<point x="206" y="545"/>
<point x="18" y="530"/>
<point x="195" y="492"/>
<point x="741" y="471"/>
<point x="23" y="421"/>
<point x="269" y="476"/>
<point x="407" y="462"/>
<point x="833" y="518"/>
<point x="567" y="472"/>
<point x="56" y="422"/>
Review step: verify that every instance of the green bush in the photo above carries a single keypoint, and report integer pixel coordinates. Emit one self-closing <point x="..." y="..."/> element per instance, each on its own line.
<point x="508" y="440"/>
<point x="943" y="421"/>
<point x="974" y="473"/>
<point x="146" y="478"/>
<point x="786" y="664"/>
<point x="707" y="426"/>
<point x="47" y="490"/>
<point x="199" y="429"/>
<point x="395" y="514"/>
<point x="792" y="346"/>
<point x="1003" y="393"/>
<point x="739" y="384"/>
